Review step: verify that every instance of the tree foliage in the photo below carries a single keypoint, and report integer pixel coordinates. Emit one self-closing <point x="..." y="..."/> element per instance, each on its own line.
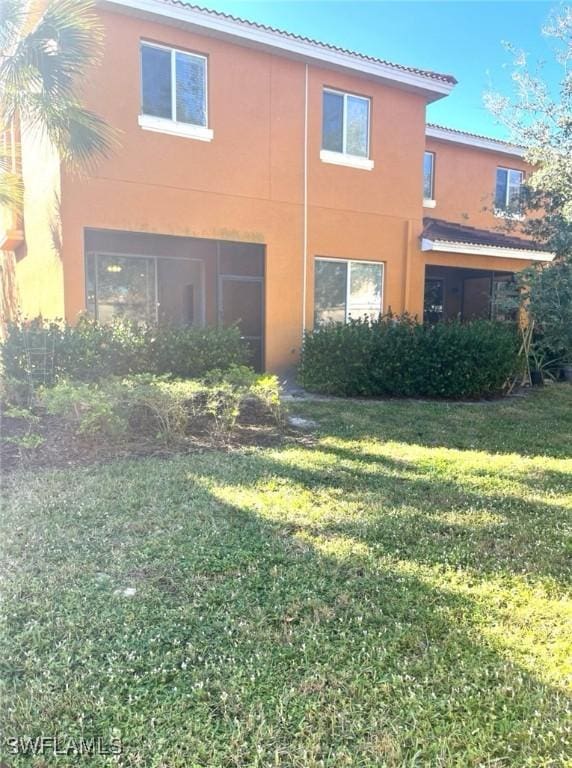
<point x="44" y="54"/>
<point x="539" y="117"/>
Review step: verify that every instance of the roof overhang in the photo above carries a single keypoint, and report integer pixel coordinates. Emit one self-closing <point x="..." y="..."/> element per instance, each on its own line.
<point x="474" y="249"/>
<point x="274" y="41"/>
<point x="480" y="142"/>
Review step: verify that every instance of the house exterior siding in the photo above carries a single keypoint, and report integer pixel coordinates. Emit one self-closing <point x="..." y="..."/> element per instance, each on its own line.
<point x="260" y="180"/>
<point x="465" y="181"/>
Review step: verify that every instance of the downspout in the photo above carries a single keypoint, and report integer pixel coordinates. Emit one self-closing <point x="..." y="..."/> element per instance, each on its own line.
<point x="407" y="268"/>
<point x="305" y="205"/>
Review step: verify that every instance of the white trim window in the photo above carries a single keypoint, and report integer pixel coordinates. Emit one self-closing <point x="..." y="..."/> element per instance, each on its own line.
<point x="345" y="129"/>
<point x="429" y="179"/>
<point x="174" y="92"/>
<point x="347" y="290"/>
<point x="508" y="192"/>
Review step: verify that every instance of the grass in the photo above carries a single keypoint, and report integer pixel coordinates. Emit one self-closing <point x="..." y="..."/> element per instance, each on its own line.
<point x="394" y="593"/>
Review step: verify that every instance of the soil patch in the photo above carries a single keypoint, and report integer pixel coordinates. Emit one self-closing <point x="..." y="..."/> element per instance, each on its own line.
<point x="60" y="445"/>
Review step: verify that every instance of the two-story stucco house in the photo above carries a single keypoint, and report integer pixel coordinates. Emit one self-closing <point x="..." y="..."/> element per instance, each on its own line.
<point x="265" y="179"/>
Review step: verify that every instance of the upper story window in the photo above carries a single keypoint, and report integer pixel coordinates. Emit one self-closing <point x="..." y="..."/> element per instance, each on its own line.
<point x="508" y="191"/>
<point x="429" y="177"/>
<point x="174" y="92"/>
<point x="345" y="129"/>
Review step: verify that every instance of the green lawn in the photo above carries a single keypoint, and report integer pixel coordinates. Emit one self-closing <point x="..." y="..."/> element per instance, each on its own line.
<point x="392" y="593"/>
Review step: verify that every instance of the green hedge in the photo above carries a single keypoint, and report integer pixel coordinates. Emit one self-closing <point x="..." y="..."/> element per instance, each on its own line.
<point x="89" y="351"/>
<point x="401" y="358"/>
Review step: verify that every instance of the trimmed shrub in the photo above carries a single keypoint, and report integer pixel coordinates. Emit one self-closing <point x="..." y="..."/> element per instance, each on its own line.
<point x="189" y="353"/>
<point x="398" y="357"/>
<point x="89" y="351"/>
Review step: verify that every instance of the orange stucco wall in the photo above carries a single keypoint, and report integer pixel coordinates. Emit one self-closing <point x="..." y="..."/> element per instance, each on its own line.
<point x="464" y="183"/>
<point x="248" y="184"/>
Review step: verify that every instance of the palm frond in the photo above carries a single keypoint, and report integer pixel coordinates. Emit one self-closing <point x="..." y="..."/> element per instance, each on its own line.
<point x="79" y="135"/>
<point x="12" y="15"/>
<point x="41" y="76"/>
<point x="49" y="59"/>
<point x="11" y="190"/>
<point x="11" y="186"/>
<point x="83" y="137"/>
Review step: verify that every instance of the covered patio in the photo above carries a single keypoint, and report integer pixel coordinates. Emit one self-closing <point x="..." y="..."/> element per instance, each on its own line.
<point x="178" y="280"/>
<point x="474" y="290"/>
<point x="455" y="293"/>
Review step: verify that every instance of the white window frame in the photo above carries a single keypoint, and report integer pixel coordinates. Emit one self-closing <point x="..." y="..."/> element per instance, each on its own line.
<point x="429" y="202"/>
<point x="349" y="262"/>
<point x="344" y="157"/>
<point x="505" y="213"/>
<point x="171" y="125"/>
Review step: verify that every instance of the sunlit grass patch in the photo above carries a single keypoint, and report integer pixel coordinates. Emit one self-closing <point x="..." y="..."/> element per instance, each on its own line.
<point x="394" y="593"/>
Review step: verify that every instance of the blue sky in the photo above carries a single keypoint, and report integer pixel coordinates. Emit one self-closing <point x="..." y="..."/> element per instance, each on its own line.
<point x="460" y="37"/>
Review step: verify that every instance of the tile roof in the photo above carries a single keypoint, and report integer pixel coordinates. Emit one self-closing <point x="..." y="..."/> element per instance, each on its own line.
<point x="451" y="232"/>
<point x="473" y="135"/>
<point x="326" y="46"/>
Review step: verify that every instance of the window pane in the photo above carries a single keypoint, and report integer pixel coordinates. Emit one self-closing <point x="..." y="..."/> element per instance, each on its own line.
<point x="332" y="121"/>
<point x="191" y="89"/>
<point x="501" y="187"/>
<point x="514" y="184"/>
<point x="156" y="81"/>
<point x="330" y="292"/>
<point x="357" y="126"/>
<point x="365" y="290"/>
<point x="180" y="291"/>
<point x="125" y="288"/>
<point x="428" y="176"/>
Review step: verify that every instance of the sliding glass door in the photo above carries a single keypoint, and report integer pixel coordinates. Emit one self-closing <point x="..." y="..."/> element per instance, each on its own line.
<point x="145" y="288"/>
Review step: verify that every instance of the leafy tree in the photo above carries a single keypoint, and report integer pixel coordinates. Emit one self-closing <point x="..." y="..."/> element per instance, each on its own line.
<point x="539" y="118"/>
<point x="44" y="52"/>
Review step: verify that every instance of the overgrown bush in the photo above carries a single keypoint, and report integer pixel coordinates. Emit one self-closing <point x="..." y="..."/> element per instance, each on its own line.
<point x="91" y="409"/>
<point x="157" y="408"/>
<point x="548" y="292"/>
<point x="89" y="351"/>
<point x="401" y="358"/>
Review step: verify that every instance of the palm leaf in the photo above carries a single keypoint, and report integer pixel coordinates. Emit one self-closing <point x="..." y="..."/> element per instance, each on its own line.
<point x="51" y="57"/>
<point x="11" y="191"/>
<point x="43" y="57"/>
<point x="79" y="135"/>
<point x="11" y="186"/>
<point x="12" y="15"/>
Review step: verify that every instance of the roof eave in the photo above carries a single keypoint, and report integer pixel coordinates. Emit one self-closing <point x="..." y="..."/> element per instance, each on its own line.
<point x="216" y="26"/>
<point x="475" y="249"/>
<point x="442" y="134"/>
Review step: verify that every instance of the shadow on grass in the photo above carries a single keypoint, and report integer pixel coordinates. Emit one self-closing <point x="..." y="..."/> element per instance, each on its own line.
<point x="539" y="424"/>
<point x="246" y="644"/>
<point x="405" y="510"/>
